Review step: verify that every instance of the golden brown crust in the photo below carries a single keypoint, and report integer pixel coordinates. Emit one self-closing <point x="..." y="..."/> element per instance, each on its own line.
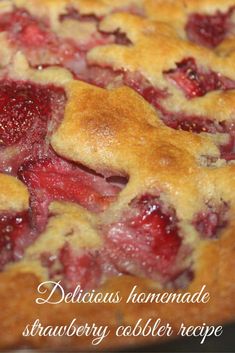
<point x="117" y="132"/>
<point x="14" y="195"/>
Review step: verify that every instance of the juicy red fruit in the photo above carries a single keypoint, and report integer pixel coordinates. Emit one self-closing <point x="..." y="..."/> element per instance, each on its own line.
<point x="228" y="150"/>
<point x="147" y="242"/>
<point x="15" y="236"/>
<point x="29" y="113"/>
<point x="57" y="179"/>
<point x="165" y="238"/>
<point x="27" y="33"/>
<point x="25" y="109"/>
<point x="195" y="81"/>
<point x="210" y="222"/>
<point x="209" y="30"/>
<point x="22" y="27"/>
<point x="193" y="124"/>
<point x="81" y="269"/>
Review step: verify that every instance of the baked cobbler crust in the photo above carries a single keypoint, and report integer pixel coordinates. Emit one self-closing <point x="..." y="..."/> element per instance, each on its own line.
<point x="175" y="177"/>
<point x="14" y="195"/>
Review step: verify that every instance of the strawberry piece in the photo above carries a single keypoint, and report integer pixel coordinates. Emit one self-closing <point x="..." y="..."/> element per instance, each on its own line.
<point x="165" y="238"/>
<point x="24" y="28"/>
<point x="79" y="269"/>
<point x="228" y="150"/>
<point x="27" y="33"/>
<point x="57" y="179"/>
<point x="32" y="35"/>
<point x="209" y="30"/>
<point x="210" y="222"/>
<point x="154" y="95"/>
<point x="25" y="109"/>
<point x="146" y="242"/>
<point x="15" y="236"/>
<point x="197" y="82"/>
<point x="19" y="110"/>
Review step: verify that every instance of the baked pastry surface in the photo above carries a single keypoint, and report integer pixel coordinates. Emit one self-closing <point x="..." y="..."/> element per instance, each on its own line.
<point x="117" y="151"/>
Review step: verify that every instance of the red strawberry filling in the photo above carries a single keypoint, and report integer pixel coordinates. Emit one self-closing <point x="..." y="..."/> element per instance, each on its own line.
<point x="57" y="179"/>
<point x="79" y="269"/>
<point x="28" y="33"/>
<point x="210" y="222"/>
<point x="193" y="124"/>
<point x="146" y="242"/>
<point x="15" y="236"/>
<point x="228" y="150"/>
<point x="23" y="28"/>
<point x="85" y="268"/>
<point x="209" y="30"/>
<point x="195" y="81"/>
<point x="26" y="110"/>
